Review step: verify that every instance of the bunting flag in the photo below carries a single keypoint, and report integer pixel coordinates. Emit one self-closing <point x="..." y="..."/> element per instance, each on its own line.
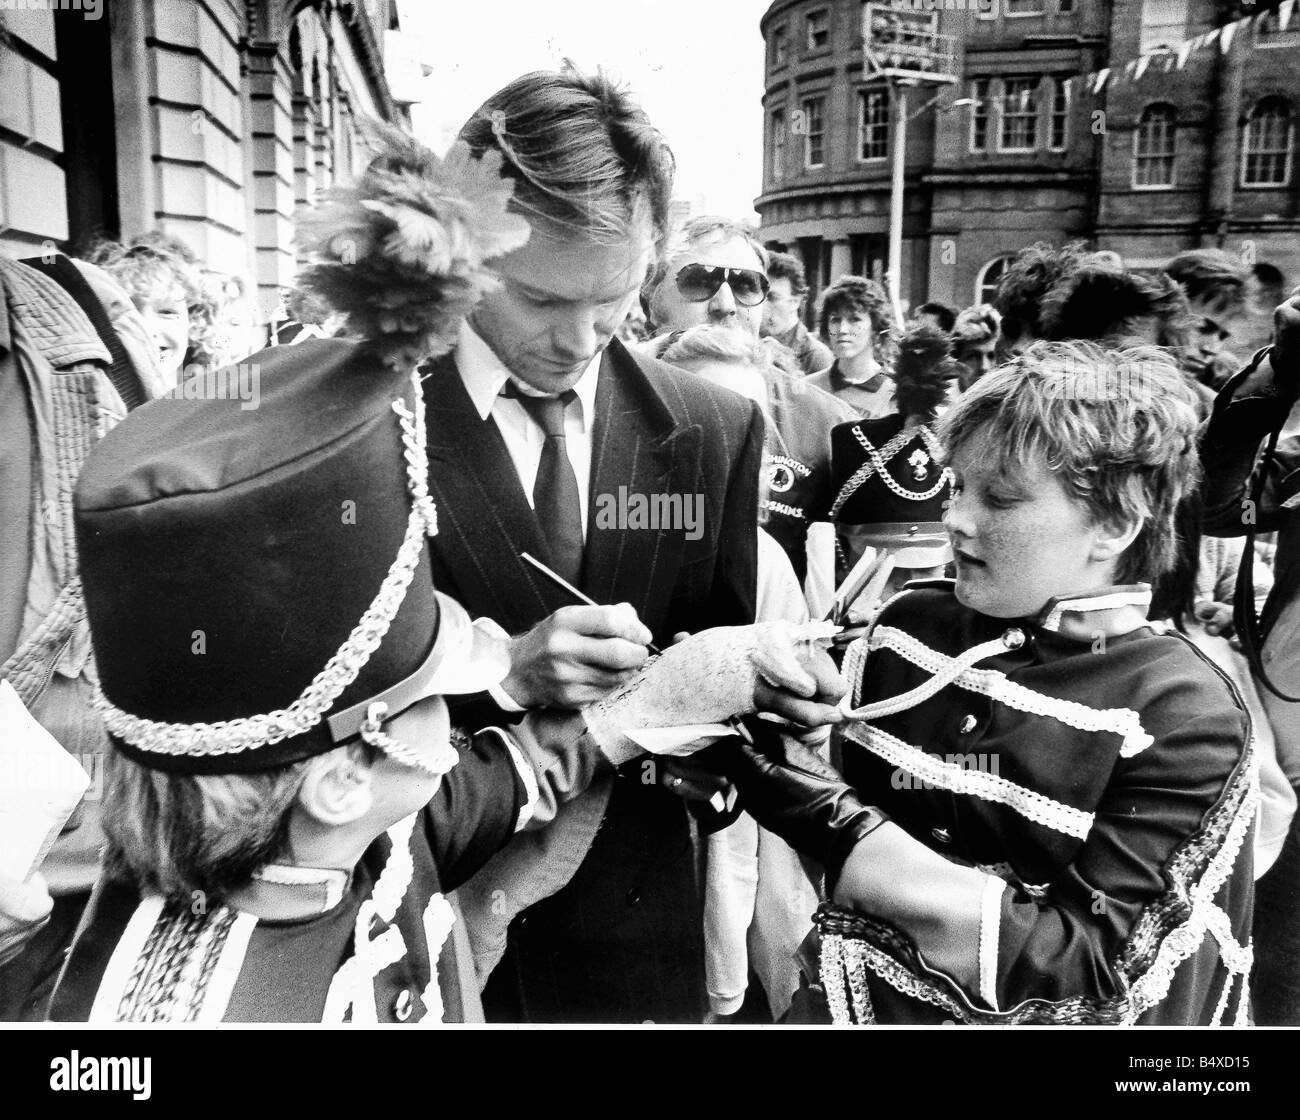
<point x="1176" y="57"/>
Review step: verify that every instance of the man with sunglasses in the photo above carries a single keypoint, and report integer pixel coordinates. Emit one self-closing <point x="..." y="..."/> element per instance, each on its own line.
<point x="716" y="274"/>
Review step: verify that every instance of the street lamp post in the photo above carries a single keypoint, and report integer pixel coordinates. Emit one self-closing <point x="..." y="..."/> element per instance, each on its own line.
<point x="904" y="47"/>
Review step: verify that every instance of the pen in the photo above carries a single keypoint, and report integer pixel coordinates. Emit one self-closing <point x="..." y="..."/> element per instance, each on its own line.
<point x="735" y="723"/>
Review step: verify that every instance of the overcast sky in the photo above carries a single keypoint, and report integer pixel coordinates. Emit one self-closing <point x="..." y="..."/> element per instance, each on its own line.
<point x="696" y="66"/>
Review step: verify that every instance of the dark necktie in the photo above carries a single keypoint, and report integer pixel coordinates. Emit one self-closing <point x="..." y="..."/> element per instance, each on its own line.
<point x="555" y="493"/>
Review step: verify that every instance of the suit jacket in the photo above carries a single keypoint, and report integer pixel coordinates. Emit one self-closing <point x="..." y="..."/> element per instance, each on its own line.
<point x="622" y="941"/>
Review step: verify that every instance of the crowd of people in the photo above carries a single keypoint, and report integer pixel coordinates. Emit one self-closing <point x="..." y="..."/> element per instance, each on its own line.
<point x="582" y="628"/>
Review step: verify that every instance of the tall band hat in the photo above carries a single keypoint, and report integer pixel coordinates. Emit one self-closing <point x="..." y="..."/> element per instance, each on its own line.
<point x="257" y="581"/>
<point x="890" y="479"/>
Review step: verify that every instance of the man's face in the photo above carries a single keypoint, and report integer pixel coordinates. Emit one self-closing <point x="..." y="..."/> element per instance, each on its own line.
<point x="672" y="312"/>
<point x="1211" y="329"/>
<point x="562" y="298"/>
<point x="977" y="358"/>
<point x="781" y="311"/>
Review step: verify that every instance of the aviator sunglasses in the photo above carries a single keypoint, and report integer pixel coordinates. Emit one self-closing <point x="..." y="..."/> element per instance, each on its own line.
<point x="699" y="282"/>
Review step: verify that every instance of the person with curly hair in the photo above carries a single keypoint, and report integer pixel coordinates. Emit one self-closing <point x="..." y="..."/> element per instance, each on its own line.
<point x="162" y="276"/>
<point x="854" y="316"/>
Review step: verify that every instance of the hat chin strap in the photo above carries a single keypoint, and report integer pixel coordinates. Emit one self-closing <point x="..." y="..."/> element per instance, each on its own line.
<point x="373" y="734"/>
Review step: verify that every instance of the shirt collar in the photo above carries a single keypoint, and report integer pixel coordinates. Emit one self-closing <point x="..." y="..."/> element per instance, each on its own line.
<point x="1108" y="611"/>
<point x="484" y="374"/>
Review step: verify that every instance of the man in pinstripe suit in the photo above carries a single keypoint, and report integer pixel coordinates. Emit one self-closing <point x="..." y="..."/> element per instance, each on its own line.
<point x="538" y="421"/>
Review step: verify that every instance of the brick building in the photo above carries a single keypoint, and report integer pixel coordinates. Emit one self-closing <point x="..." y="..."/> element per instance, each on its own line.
<point x="209" y="119"/>
<point x="1013" y="154"/>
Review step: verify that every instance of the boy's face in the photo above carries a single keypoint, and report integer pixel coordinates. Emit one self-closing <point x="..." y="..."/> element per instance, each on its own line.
<point x="167" y="317"/>
<point x="1018" y="541"/>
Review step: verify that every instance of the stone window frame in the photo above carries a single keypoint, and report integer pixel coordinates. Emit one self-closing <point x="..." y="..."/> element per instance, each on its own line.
<point x="806" y="105"/>
<point x="1286" y="150"/>
<point x="1156" y="110"/>
<point x="780" y="126"/>
<point x="865" y="93"/>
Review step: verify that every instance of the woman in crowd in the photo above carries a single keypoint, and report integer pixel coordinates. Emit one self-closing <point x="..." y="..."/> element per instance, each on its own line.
<point x="854" y="318"/>
<point x="163" y="279"/>
<point x="1050" y="801"/>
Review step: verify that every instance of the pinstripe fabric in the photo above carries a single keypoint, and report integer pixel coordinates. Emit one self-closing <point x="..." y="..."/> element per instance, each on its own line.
<point x="622" y="941"/>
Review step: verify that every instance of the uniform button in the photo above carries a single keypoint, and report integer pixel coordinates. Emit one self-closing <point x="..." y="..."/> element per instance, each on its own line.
<point x="402" y="1006"/>
<point x="968" y="724"/>
<point x="634" y="897"/>
<point x="1013" y="638"/>
<point x="942" y="835"/>
<point x="913" y="530"/>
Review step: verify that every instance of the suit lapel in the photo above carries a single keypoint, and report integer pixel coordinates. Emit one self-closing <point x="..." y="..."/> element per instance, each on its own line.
<point x="638" y="452"/>
<point x="484" y="519"/>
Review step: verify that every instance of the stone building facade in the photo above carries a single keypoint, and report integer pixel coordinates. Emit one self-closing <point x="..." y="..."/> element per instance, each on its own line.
<point x="1013" y="153"/>
<point x="211" y="120"/>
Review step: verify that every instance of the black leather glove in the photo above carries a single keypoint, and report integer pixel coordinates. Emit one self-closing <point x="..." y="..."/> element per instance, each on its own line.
<point x="791" y="792"/>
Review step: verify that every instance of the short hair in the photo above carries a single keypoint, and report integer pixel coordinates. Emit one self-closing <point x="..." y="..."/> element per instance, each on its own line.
<point x="705" y="227"/>
<point x="1102" y="301"/>
<point x="1027" y="280"/>
<point x="1210" y="276"/>
<point x="707" y="343"/>
<point x="976" y="326"/>
<point x="782" y="266"/>
<point x="856" y="293"/>
<point x="943" y="313"/>
<point x="581" y="152"/>
<point x="174" y="834"/>
<point x="1117" y="427"/>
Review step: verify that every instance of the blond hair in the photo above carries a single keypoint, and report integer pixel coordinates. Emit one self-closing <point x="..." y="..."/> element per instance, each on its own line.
<point x="1117" y="427"/>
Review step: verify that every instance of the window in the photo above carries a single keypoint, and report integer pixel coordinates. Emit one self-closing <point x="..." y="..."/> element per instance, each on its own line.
<point x="986" y="283"/>
<point x="819" y="30"/>
<point x="1024" y="7"/>
<point x="979" y="115"/>
<point x="1019" y="115"/>
<point x="1065" y="6"/>
<point x="780" y="47"/>
<point x="778" y="145"/>
<point x="1270" y="33"/>
<point x="814" y="132"/>
<point x="1266" y="146"/>
<point x="873" y="123"/>
<point x="1154" y="144"/>
<point x="1164" y="24"/>
<point x="1059" y="125"/>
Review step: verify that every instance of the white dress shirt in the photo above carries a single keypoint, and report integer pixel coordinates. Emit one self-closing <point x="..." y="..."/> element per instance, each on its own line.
<point x="484" y="376"/>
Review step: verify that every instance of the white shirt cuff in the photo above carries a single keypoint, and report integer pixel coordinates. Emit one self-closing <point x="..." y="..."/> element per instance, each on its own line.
<point x="503" y="700"/>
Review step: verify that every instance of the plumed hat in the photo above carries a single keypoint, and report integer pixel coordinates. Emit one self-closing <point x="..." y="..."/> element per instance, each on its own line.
<point x="257" y="579"/>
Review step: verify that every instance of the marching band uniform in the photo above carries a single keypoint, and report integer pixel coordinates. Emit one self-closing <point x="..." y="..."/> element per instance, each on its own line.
<point x="1096" y="769"/>
<point x="891" y="488"/>
<point x="188" y="529"/>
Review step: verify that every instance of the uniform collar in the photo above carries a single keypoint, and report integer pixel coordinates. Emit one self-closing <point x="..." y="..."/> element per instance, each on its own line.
<point x="485" y="375"/>
<point x="1108" y="611"/>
